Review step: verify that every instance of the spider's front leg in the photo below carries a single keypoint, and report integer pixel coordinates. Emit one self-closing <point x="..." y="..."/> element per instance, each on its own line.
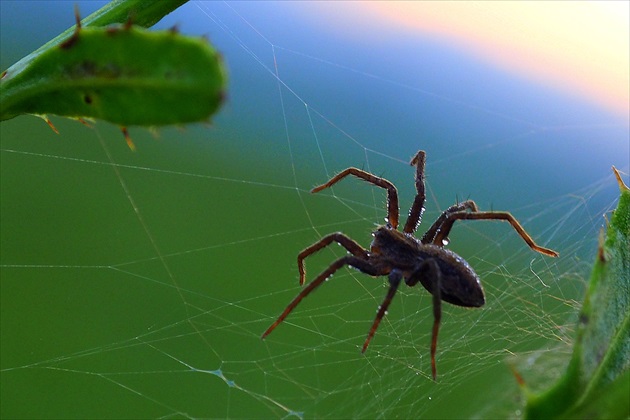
<point x="392" y="193"/>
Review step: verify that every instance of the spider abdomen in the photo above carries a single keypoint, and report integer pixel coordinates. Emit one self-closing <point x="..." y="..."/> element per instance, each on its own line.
<point x="459" y="284"/>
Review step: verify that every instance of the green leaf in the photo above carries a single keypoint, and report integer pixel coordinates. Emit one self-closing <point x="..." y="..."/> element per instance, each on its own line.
<point x="611" y="402"/>
<point x="123" y="74"/>
<point x="597" y="381"/>
<point x="143" y="13"/>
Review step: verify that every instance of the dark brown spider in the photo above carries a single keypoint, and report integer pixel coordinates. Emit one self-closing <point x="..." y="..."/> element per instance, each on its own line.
<point x="400" y="255"/>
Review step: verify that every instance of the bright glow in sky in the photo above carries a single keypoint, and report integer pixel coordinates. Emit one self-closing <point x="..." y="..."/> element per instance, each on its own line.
<point x="580" y="47"/>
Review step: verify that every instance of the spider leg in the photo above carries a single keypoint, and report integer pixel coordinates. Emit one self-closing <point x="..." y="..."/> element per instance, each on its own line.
<point x="429" y="236"/>
<point x="358" y="263"/>
<point x="350" y="245"/>
<point x="430" y="269"/>
<point x="394" y="281"/>
<point x="445" y="228"/>
<point x="417" y="208"/>
<point x="392" y="193"/>
<point x="437" y="310"/>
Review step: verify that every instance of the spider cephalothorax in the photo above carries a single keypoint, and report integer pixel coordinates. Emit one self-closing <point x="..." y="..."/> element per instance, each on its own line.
<point x="400" y="255"/>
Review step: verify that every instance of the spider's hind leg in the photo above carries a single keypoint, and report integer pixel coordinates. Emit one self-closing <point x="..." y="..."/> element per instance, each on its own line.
<point x="358" y="263"/>
<point x="430" y="270"/>
<point x="394" y="281"/>
<point x="392" y="193"/>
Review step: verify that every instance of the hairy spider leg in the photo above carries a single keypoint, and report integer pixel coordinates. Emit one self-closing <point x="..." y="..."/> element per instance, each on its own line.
<point x="490" y="215"/>
<point x="394" y="281"/>
<point x="358" y="263"/>
<point x="429" y="236"/>
<point x="437" y="311"/>
<point x="417" y="208"/>
<point x="349" y="244"/>
<point x="392" y="193"/>
<point x="430" y="269"/>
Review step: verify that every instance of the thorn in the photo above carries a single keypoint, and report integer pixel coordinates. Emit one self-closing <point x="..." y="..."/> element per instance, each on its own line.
<point x="75" y="36"/>
<point x="84" y="122"/>
<point x="77" y="17"/>
<point x="622" y="185"/>
<point x="50" y="124"/>
<point x="130" y="18"/>
<point x="4" y="73"/>
<point x="128" y="139"/>
<point x="518" y="377"/>
<point x="174" y="29"/>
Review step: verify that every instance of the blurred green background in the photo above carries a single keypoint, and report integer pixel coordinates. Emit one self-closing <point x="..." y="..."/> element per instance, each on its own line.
<point x="138" y="284"/>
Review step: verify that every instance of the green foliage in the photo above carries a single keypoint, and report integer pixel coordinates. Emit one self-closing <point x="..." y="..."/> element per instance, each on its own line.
<point x="123" y="74"/>
<point x="597" y="381"/>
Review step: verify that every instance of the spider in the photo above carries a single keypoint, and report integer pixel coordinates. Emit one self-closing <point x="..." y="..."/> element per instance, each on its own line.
<point x="400" y="255"/>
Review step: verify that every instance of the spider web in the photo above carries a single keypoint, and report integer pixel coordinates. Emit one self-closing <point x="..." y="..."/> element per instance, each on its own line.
<point x="138" y="284"/>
